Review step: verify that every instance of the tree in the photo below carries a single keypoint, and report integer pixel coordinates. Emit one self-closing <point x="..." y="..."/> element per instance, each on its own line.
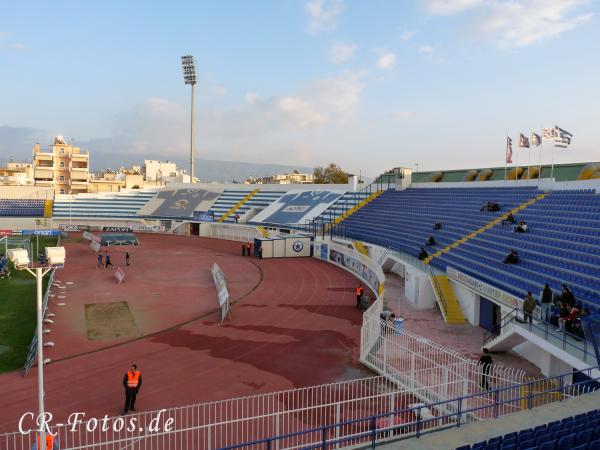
<point x="332" y="174"/>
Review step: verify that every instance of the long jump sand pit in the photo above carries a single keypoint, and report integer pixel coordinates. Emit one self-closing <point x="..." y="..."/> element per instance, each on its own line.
<point x="109" y="321"/>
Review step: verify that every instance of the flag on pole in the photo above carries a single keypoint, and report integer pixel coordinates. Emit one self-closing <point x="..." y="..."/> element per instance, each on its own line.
<point x="523" y="141"/>
<point x="562" y="138"/>
<point x="548" y="134"/>
<point x="536" y="139"/>
<point x="508" y="150"/>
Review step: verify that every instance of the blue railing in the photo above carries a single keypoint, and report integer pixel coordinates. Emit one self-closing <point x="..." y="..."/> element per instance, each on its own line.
<point x="525" y="397"/>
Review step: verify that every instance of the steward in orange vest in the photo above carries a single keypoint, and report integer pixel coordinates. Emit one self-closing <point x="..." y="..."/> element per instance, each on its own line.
<point x="51" y="443"/>
<point x="359" y="293"/>
<point x="132" y="381"/>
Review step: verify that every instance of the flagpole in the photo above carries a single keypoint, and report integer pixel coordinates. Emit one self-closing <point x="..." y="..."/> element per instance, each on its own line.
<point x="541" y="148"/>
<point x="505" y="156"/>
<point x="553" y="147"/>
<point x="529" y="163"/>
<point x="517" y="171"/>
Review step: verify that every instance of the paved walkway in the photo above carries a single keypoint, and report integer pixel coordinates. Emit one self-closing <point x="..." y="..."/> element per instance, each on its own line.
<point x="480" y="431"/>
<point x="466" y="339"/>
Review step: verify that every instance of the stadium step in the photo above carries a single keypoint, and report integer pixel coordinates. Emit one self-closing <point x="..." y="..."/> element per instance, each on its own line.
<point x="360" y="248"/>
<point x="263" y="231"/>
<point x="48" y="206"/>
<point x="355" y="208"/>
<point x="447" y="300"/>
<point x="484" y="228"/>
<point x="237" y="206"/>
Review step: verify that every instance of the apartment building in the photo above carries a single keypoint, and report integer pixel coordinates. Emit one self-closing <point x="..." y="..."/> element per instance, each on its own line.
<point x="63" y="167"/>
<point x="16" y="174"/>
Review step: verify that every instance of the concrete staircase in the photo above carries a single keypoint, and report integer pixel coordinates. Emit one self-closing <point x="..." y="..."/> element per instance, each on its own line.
<point x="237" y="206"/>
<point x="360" y="248"/>
<point x="447" y="300"/>
<point x="576" y="353"/>
<point x="48" y="206"/>
<point x="484" y="228"/>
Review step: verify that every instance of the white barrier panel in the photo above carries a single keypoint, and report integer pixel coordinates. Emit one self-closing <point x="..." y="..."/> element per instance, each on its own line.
<point x="297" y="246"/>
<point x="230" y="232"/>
<point x="95" y="246"/>
<point x="222" y="292"/>
<point x="119" y="275"/>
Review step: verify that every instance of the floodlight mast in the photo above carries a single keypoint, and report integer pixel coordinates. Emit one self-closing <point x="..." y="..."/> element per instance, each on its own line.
<point x="189" y="76"/>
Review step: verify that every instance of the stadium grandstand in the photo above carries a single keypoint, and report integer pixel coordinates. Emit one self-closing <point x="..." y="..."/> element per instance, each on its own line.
<point x="281" y="358"/>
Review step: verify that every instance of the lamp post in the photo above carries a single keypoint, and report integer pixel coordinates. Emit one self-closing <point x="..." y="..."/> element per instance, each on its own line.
<point x="189" y="76"/>
<point x="56" y="258"/>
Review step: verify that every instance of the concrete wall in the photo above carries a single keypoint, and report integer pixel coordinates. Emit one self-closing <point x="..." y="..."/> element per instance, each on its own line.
<point x="469" y="302"/>
<point x="547" y="362"/>
<point x="417" y="288"/>
<point x="545" y="184"/>
<point x="27" y="192"/>
<point x="17" y="223"/>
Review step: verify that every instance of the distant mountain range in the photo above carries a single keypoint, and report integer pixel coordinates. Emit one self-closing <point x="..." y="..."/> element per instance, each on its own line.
<point x="206" y="169"/>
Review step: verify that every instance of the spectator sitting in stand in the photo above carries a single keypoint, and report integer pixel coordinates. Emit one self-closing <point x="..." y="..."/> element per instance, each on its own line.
<point x="431" y="241"/>
<point x="485" y="207"/>
<point x="437" y="226"/>
<point x="493" y="207"/>
<point x="512" y="257"/>
<point x="565" y="322"/>
<point x="423" y="254"/>
<point x="509" y="219"/>
<point x="521" y="228"/>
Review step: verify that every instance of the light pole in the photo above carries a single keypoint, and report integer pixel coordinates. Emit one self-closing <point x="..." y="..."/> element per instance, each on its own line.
<point x="189" y="76"/>
<point x="55" y="257"/>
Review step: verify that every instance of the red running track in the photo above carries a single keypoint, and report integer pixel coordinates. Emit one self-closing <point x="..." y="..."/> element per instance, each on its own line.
<point x="293" y="324"/>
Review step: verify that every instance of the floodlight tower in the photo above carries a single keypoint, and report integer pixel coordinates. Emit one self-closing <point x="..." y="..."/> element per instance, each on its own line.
<point x="189" y="76"/>
<point x="55" y="258"/>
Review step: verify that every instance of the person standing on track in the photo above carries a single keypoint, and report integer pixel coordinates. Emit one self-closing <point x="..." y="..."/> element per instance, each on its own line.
<point x="127" y="258"/>
<point x="108" y="262"/>
<point x="132" y="381"/>
<point x="359" y="292"/>
<point x="100" y="265"/>
<point x="248" y="247"/>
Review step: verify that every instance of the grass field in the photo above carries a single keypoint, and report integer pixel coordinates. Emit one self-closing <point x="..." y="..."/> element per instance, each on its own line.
<point x="17" y="313"/>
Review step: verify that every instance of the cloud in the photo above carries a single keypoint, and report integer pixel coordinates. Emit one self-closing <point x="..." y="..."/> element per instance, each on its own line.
<point x="517" y="23"/>
<point x="406" y="35"/>
<point x="341" y="52"/>
<point x="322" y="14"/>
<point x="401" y="115"/>
<point x="18" y="47"/>
<point x="251" y="97"/>
<point x="447" y="7"/>
<point x="425" y="49"/>
<point x="18" y="142"/>
<point x="386" y="60"/>
<point x="522" y="23"/>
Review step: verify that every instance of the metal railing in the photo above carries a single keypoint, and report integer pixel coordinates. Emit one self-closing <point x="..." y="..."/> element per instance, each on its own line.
<point x="422" y="419"/>
<point x="577" y="346"/>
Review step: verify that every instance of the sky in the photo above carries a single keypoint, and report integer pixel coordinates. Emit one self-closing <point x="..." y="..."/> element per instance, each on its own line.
<point x="369" y="85"/>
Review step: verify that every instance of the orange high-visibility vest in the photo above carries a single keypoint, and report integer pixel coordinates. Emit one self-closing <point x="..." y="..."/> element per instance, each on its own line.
<point x="359" y="290"/>
<point x="132" y="379"/>
<point x="49" y="442"/>
<point x="248" y="244"/>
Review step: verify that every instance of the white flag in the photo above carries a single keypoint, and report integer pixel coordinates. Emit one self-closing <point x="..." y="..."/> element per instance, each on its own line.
<point x="562" y="138"/>
<point x="548" y="134"/>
